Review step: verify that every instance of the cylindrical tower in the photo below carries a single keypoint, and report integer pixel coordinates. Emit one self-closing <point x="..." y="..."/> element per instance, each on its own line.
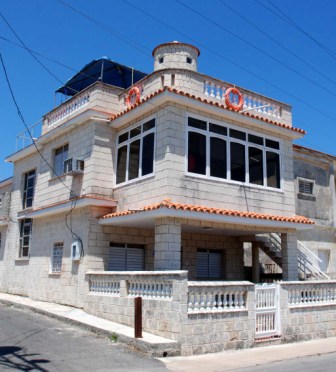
<point x="175" y="55"/>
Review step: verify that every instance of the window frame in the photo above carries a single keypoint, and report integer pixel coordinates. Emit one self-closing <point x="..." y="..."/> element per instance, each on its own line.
<point x="24" y="223"/>
<point x="54" y="173"/>
<point x="128" y="143"/>
<point x="56" y="245"/>
<point x="26" y="188"/>
<point x="307" y="180"/>
<point x="246" y="143"/>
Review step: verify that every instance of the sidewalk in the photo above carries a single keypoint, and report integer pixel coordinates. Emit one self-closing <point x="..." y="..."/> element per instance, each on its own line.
<point x="150" y="344"/>
<point x="238" y="359"/>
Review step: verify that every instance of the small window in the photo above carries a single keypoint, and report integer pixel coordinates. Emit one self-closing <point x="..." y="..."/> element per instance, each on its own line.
<point x="25" y="236"/>
<point x="237" y="162"/>
<point x="28" y="189"/>
<point x="57" y="257"/>
<point x="61" y="154"/>
<point x="161" y="60"/>
<point x="189" y="60"/>
<point x="237" y="134"/>
<point x="217" y="157"/>
<point x="273" y="169"/>
<point x="256" y="166"/>
<point x="214" y="128"/>
<point x="196" y="123"/>
<point x="306" y="186"/>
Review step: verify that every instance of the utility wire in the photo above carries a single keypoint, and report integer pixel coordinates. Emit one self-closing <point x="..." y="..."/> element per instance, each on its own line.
<point x="32" y="54"/>
<point x="329" y="51"/>
<point x="74" y="200"/>
<point x="221" y="56"/>
<point x="277" y="42"/>
<point x="256" y="47"/>
<point x="108" y="29"/>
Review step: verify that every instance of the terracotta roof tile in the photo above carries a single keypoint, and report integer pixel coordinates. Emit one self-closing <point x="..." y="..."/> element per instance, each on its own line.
<point x="166" y="203"/>
<point x="210" y="102"/>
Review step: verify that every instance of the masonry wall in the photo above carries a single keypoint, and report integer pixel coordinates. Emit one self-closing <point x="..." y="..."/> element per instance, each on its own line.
<point x="320" y="206"/>
<point x="170" y="179"/>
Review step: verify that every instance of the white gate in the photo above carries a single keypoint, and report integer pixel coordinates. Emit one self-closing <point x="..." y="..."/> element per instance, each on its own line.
<point x="267" y="310"/>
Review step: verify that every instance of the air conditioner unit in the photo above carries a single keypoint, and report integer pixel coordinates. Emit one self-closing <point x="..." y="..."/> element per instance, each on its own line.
<point x="75" y="250"/>
<point x="73" y="166"/>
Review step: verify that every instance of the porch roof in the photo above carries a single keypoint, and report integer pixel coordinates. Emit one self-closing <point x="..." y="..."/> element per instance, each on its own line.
<point x="167" y="208"/>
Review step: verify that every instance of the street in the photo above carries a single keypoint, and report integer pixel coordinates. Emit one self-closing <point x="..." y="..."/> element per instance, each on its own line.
<point x="33" y="342"/>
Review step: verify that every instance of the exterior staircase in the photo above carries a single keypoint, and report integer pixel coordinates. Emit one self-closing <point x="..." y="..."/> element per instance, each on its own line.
<point x="309" y="269"/>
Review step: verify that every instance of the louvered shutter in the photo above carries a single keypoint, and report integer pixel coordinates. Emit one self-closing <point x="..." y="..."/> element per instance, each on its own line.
<point x="215" y="265"/>
<point x="117" y="259"/>
<point x="135" y="259"/>
<point x="202" y="267"/>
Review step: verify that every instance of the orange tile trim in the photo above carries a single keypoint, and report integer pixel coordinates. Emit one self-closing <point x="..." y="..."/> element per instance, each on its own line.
<point x="167" y="203"/>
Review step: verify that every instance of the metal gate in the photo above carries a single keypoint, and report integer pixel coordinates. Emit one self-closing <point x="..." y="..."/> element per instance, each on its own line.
<point x="267" y="310"/>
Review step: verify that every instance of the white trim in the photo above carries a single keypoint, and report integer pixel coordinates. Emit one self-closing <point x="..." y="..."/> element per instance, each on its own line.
<point x="208" y="217"/>
<point x="60" y="208"/>
<point x="127" y="144"/>
<point x="228" y="139"/>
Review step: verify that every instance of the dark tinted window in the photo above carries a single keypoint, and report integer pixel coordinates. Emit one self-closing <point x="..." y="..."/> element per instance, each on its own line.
<point x="196" y="153"/>
<point x="134" y="160"/>
<point x="147" y="154"/>
<point x="214" y="128"/>
<point x="273" y="169"/>
<point x="255" y="139"/>
<point x="217" y="157"/>
<point x="121" y="164"/>
<point x="256" y="166"/>
<point x="237" y="134"/>
<point x="272" y="144"/>
<point x="237" y="162"/>
<point x="200" y="124"/>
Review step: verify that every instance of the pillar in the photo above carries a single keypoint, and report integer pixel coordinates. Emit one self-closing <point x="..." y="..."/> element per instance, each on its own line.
<point x="167" y="251"/>
<point x="255" y="263"/>
<point x="290" y="267"/>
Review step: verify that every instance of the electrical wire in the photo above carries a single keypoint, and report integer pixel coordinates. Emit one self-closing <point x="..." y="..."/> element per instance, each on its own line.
<point x="32" y="54"/>
<point x="277" y="42"/>
<point x="256" y="48"/>
<point x="287" y="19"/>
<point x="76" y="197"/>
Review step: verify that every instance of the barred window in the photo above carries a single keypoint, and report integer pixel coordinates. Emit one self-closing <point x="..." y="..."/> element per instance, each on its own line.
<point x="56" y="257"/>
<point x="306" y="186"/>
<point x="25" y="237"/>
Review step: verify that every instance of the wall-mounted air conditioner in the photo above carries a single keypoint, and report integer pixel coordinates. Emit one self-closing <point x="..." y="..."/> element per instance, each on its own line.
<point x="73" y="166"/>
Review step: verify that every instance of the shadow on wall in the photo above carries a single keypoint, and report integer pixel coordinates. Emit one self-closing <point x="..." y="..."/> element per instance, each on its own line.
<point x="13" y="357"/>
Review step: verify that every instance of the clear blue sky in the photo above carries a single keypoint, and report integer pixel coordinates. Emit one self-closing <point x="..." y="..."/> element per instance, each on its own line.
<point x="57" y="32"/>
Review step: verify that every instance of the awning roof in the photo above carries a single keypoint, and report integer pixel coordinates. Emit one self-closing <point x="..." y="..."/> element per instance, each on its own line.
<point x="189" y="211"/>
<point x="105" y="70"/>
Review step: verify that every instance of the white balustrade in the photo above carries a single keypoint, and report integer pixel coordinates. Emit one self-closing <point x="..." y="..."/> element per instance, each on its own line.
<point x="69" y="107"/>
<point x="251" y="101"/>
<point x="153" y="288"/>
<point x="312" y="293"/>
<point x="207" y="297"/>
<point x="104" y="284"/>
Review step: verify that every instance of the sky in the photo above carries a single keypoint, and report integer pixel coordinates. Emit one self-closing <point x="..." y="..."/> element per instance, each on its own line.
<point x="282" y="49"/>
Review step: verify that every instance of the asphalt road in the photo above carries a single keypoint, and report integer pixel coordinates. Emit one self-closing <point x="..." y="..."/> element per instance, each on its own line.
<point x="33" y="342"/>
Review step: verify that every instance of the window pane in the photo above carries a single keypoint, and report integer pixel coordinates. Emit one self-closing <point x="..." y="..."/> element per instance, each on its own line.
<point x="61" y="154"/>
<point x="200" y="124"/>
<point x="149" y="125"/>
<point x="217" y="157"/>
<point x="256" y="166"/>
<point x="135" y="132"/>
<point x="122" y="138"/>
<point x="237" y="162"/>
<point x="147" y="154"/>
<point x="273" y="169"/>
<point x="237" y="134"/>
<point x="218" y="129"/>
<point x="134" y="160"/>
<point x="255" y="139"/>
<point x="273" y="144"/>
<point x="121" y="164"/>
<point x="196" y="153"/>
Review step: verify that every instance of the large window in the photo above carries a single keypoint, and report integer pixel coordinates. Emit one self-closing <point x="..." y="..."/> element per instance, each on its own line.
<point x="226" y="153"/>
<point x="28" y="189"/>
<point x="126" y="257"/>
<point x="135" y="157"/>
<point x="25" y="236"/>
<point x="61" y="154"/>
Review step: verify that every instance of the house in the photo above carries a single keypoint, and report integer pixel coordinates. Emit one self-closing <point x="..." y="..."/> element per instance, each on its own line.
<point x="152" y="185"/>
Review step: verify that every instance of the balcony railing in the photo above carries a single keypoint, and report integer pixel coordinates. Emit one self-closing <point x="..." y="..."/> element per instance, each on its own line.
<point x="26" y="137"/>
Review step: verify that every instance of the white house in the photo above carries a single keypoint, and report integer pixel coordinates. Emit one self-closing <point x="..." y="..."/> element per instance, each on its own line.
<point x="157" y="185"/>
